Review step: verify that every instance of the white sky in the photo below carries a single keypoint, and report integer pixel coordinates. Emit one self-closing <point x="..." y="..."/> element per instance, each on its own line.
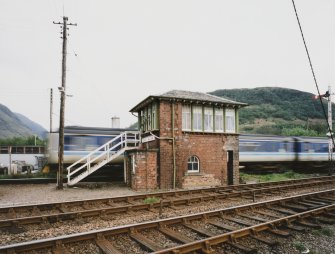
<point x="123" y="51"/>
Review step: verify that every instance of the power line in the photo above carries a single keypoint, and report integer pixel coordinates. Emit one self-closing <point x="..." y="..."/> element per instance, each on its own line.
<point x="314" y="76"/>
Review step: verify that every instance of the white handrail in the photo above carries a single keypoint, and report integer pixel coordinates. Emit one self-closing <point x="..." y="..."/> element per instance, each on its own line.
<point x="102" y="155"/>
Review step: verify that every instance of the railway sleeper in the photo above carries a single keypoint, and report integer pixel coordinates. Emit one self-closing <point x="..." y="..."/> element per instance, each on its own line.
<point x="323" y="219"/>
<point x="106" y="246"/>
<point x="280" y="210"/>
<point x="295" y="207"/>
<point x="268" y="214"/>
<point x="242" y="248"/>
<point x="11" y="213"/>
<point x="59" y="248"/>
<point x="308" y="224"/>
<point x="174" y="235"/>
<point x="252" y="217"/>
<point x="146" y="242"/>
<point x="297" y="228"/>
<point x="199" y="230"/>
<point x="223" y="226"/>
<point x="309" y="205"/>
<point x="238" y="221"/>
<point x="264" y="240"/>
<point x="312" y="201"/>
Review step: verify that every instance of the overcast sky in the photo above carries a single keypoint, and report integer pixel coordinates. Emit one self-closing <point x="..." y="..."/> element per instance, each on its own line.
<point x="123" y="51"/>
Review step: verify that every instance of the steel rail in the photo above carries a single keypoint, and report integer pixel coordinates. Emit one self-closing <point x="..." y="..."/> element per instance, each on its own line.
<point x="204" y="195"/>
<point x="325" y="197"/>
<point x="164" y="194"/>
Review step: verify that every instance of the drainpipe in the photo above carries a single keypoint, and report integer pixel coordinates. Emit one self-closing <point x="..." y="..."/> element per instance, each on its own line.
<point x="173" y="149"/>
<point x="173" y="145"/>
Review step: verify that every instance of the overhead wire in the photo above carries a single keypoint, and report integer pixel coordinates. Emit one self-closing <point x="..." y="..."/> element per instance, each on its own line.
<point x="313" y="73"/>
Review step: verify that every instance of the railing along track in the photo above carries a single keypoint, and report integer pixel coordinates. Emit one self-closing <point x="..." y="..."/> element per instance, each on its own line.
<point x="62" y="211"/>
<point x="274" y="217"/>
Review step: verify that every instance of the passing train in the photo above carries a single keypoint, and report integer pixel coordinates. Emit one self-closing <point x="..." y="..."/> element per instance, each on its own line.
<point x="256" y="152"/>
<point x="79" y="141"/>
<point x="267" y="152"/>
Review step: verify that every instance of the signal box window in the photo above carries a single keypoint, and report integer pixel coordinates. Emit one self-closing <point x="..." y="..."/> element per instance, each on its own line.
<point x="197" y="118"/>
<point x="230" y="120"/>
<point x="219" y="120"/>
<point x="208" y="119"/>
<point x="186" y="121"/>
<point x="193" y="164"/>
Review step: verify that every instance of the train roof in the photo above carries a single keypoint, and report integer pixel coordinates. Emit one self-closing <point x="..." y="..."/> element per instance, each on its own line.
<point x="94" y="130"/>
<point x="277" y="137"/>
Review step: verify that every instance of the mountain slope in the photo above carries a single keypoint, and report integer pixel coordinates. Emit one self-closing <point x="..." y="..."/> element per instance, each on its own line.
<point x="34" y="127"/>
<point x="273" y="109"/>
<point x="11" y="125"/>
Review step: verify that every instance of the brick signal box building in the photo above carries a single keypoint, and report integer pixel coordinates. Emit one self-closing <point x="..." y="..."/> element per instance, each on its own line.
<point x="189" y="139"/>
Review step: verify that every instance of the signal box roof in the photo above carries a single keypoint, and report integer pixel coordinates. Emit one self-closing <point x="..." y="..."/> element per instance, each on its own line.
<point x="188" y="97"/>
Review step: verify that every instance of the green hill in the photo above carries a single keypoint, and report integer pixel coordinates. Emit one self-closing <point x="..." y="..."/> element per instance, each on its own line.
<point x="16" y="125"/>
<point x="279" y="111"/>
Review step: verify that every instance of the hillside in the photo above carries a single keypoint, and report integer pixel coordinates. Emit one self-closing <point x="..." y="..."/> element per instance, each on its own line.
<point x="17" y="125"/>
<point x="274" y="110"/>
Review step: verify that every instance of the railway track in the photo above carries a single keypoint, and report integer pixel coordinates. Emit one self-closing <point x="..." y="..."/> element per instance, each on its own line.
<point x="16" y="216"/>
<point x="261" y="221"/>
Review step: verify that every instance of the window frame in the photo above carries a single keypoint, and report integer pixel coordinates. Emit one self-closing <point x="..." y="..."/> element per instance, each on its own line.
<point x="208" y="119"/>
<point x="186" y="118"/>
<point x="193" y="163"/>
<point x="230" y="120"/>
<point x="197" y="118"/>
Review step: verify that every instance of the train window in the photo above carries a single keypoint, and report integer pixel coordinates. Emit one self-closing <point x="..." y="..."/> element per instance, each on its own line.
<point x="248" y="146"/>
<point x="193" y="164"/>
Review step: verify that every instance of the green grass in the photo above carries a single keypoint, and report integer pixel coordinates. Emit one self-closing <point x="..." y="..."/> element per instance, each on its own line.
<point x="299" y="246"/>
<point x="151" y="200"/>
<point x="323" y="232"/>
<point x="271" y="177"/>
<point x="22" y="176"/>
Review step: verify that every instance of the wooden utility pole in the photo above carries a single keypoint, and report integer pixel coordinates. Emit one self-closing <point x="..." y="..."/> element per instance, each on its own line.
<point x="62" y="104"/>
<point x="51" y="108"/>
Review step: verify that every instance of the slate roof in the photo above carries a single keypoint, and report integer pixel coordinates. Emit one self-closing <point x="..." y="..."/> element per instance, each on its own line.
<point x="187" y="97"/>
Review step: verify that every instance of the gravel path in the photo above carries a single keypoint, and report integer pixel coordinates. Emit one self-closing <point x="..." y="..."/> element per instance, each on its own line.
<point x="18" y="194"/>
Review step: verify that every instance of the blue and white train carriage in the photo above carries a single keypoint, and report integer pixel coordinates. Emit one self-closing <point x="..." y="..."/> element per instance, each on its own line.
<point x="262" y="152"/>
<point x="256" y="152"/>
<point x="80" y="141"/>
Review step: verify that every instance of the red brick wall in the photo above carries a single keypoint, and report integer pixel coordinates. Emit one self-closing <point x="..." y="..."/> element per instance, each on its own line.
<point x="145" y="176"/>
<point x="210" y="148"/>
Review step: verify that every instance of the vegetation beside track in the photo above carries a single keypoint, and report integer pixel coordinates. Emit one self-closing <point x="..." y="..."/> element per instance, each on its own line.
<point x="249" y="178"/>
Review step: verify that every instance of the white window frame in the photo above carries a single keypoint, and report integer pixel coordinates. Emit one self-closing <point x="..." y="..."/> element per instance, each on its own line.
<point x="154" y="116"/>
<point x="149" y="118"/>
<point x="219" y="120"/>
<point x="195" y="164"/>
<point x="208" y="119"/>
<point x="186" y="118"/>
<point x="197" y="118"/>
<point x="230" y="120"/>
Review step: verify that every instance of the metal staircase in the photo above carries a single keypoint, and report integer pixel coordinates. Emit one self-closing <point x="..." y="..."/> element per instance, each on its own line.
<point x="101" y="156"/>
